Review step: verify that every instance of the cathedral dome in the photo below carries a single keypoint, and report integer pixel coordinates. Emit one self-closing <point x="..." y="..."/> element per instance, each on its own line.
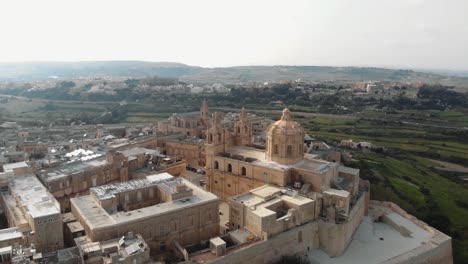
<point x="285" y="140"/>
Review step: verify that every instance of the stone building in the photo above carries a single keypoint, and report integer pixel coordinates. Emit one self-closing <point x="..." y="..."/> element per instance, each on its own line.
<point x="192" y="149"/>
<point x="162" y="209"/>
<point x="190" y="124"/>
<point x="33" y="212"/>
<point x="128" y="249"/>
<point x="75" y="178"/>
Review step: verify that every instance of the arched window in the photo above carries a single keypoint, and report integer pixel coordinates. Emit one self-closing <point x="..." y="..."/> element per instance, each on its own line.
<point x="275" y="149"/>
<point x="244" y="171"/>
<point x="210" y="138"/>
<point x="219" y="137"/>
<point x="289" y="151"/>
<point x="238" y="129"/>
<point x="229" y="168"/>
<point x="216" y="165"/>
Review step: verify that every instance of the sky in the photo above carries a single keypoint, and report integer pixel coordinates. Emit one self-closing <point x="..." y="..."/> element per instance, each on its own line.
<point x="429" y="34"/>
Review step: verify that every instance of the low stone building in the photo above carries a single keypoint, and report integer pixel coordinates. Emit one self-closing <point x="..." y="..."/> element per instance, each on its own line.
<point x="35" y="213"/>
<point x="128" y="249"/>
<point x="162" y="209"/>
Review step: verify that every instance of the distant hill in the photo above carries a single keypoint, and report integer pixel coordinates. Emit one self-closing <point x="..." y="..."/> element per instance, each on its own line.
<point x="30" y="71"/>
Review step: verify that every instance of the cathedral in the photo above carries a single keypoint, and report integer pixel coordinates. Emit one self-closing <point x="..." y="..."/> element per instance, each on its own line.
<point x="235" y="166"/>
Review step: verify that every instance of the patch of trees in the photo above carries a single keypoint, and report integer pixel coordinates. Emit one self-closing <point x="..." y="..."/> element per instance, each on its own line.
<point x="438" y="95"/>
<point x="153" y="81"/>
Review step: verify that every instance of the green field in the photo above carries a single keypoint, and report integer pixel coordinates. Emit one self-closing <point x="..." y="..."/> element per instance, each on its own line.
<point x="39" y="111"/>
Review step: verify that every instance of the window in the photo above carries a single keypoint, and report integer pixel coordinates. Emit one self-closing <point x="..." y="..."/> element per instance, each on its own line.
<point x="219" y="137"/>
<point x="299" y="149"/>
<point x="238" y="129"/>
<point x="94" y="181"/>
<point x="289" y="151"/>
<point x="245" y="129"/>
<point x="151" y="193"/>
<point x="161" y="230"/>
<point x="229" y="168"/>
<point x="275" y="149"/>
<point x="162" y="246"/>
<point x="210" y="138"/>
<point x="244" y="171"/>
<point x="216" y="165"/>
<point x="139" y="198"/>
<point x="229" y="185"/>
<point x="299" y="236"/>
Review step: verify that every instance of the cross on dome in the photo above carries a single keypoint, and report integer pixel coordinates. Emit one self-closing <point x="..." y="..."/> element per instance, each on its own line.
<point x="287" y="116"/>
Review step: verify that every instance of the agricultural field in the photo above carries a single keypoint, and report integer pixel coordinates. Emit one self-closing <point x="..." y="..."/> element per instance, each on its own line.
<point x="40" y="112"/>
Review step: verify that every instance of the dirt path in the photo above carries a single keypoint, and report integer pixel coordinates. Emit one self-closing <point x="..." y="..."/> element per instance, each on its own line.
<point x="447" y="166"/>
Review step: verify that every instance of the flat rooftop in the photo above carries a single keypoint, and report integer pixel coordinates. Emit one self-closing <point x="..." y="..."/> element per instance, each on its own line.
<point x="10" y="233"/>
<point x="377" y="242"/>
<point x="138" y="151"/>
<point x="72" y="168"/>
<point x="96" y="217"/>
<point x="317" y="166"/>
<point x="34" y="196"/>
<point x="266" y="195"/>
<point x="9" y="167"/>
<point x="348" y="170"/>
<point x="110" y="190"/>
<point x="341" y="193"/>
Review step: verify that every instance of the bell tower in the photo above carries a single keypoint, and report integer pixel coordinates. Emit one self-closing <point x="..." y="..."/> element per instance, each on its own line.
<point x="215" y="145"/>
<point x="243" y="129"/>
<point x="215" y="137"/>
<point x="204" y="112"/>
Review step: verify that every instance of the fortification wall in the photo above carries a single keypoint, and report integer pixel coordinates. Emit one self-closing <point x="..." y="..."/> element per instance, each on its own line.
<point x="335" y="238"/>
<point x="296" y="241"/>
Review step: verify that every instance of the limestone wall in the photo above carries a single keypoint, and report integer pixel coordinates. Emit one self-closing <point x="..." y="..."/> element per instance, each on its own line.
<point x="296" y="241"/>
<point x="335" y="238"/>
<point x="225" y="183"/>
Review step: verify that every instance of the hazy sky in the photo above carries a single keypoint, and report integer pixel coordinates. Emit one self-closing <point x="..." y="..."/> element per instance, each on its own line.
<point x="391" y="33"/>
